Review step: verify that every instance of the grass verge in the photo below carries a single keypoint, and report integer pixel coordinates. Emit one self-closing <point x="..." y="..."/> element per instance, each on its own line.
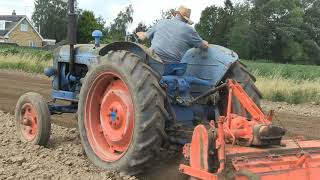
<point x="32" y="60"/>
<point x="24" y="63"/>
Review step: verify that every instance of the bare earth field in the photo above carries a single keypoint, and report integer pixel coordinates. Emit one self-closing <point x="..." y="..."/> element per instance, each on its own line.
<point x="63" y="158"/>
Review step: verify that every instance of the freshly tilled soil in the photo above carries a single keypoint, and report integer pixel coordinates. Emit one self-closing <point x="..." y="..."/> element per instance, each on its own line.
<point x="299" y="120"/>
<point x="306" y="110"/>
<point x="61" y="159"/>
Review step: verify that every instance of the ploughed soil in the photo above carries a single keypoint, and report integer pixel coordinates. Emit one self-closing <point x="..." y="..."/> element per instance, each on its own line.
<point x="63" y="157"/>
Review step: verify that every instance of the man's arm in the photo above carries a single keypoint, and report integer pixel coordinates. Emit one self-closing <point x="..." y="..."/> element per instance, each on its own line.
<point x="141" y="35"/>
<point x="197" y="41"/>
<point x="147" y="35"/>
<point x="205" y="45"/>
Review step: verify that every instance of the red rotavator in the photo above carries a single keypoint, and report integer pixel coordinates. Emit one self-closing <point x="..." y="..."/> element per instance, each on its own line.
<point x="238" y="147"/>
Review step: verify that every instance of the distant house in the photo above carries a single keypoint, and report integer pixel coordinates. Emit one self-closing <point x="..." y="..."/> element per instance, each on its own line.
<point x="18" y="29"/>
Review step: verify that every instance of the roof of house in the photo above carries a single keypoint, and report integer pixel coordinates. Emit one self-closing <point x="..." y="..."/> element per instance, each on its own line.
<point x="11" y="22"/>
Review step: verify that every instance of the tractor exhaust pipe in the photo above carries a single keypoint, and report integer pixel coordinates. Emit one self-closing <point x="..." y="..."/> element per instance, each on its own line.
<point x="72" y="36"/>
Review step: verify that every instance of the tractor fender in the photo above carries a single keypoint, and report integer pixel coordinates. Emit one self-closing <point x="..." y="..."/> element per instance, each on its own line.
<point x="211" y="64"/>
<point x="142" y="51"/>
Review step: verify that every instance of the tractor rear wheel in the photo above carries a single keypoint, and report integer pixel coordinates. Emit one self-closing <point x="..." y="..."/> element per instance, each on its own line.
<point x="33" y="119"/>
<point x="239" y="73"/>
<point x="121" y="113"/>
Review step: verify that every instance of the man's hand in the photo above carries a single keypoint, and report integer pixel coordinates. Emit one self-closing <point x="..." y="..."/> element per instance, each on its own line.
<point x="205" y="45"/>
<point x="141" y="35"/>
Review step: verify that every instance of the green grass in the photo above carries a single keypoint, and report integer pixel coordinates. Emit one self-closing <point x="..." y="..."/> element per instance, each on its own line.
<point x="277" y="88"/>
<point x="288" y="71"/>
<point x="30" y="60"/>
<point x="35" y="53"/>
<point x="294" y="84"/>
<point x="24" y="63"/>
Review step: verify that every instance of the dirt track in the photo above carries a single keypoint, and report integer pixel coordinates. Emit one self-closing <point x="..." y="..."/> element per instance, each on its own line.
<point x="63" y="158"/>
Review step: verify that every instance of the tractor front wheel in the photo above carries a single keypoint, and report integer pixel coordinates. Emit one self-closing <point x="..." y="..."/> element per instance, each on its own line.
<point x="33" y="119"/>
<point x="121" y="113"/>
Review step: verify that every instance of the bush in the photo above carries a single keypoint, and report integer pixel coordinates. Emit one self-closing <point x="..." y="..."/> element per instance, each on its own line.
<point x="25" y="59"/>
<point x="6" y="50"/>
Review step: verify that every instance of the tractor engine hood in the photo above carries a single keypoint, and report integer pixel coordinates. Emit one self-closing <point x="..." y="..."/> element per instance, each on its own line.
<point x="88" y="54"/>
<point x="84" y="54"/>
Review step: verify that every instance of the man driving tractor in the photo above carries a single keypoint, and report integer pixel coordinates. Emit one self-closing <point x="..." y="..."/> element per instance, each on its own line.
<point x="172" y="38"/>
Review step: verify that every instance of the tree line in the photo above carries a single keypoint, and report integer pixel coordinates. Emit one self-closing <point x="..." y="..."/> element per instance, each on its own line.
<point x="285" y="31"/>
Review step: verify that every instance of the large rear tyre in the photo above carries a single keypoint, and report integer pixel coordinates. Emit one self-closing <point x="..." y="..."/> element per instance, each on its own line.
<point x="121" y="113"/>
<point x="239" y="73"/>
<point x="33" y="122"/>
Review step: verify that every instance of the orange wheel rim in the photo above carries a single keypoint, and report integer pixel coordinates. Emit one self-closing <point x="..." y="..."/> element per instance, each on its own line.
<point x="29" y="122"/>
<point x="109" y="117"/>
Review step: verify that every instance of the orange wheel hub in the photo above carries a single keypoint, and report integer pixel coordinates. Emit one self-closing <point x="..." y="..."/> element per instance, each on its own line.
<point x="109" y="117"/>
<point x="29" y="122"/>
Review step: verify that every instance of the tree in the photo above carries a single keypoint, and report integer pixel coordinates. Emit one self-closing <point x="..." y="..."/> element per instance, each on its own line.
<point x="50" y="16"/>
<point x="286" y="31"/>
<point x="216" y="23"/>
<point x="240" y="36"/>
<point x="312" y="27"/>
<point x="101" y="22"/>
<point x="118" y="28"/>
<point x="141" y="27"/>
<point x="167" y="14"/>
<point x="164" y="14"/>
<point x="278" y="30"/>
<point x="208" y="22"/>
<point x="87" y="23"/>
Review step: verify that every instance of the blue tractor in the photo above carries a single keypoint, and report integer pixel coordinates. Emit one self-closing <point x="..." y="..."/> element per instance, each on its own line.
<point x="129" y="103"/>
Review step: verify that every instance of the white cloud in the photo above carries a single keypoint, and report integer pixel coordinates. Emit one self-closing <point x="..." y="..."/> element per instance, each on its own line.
<point x="22" y="7"/>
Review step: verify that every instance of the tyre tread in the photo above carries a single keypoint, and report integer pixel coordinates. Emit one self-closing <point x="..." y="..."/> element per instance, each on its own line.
<point x="152" y="114"/>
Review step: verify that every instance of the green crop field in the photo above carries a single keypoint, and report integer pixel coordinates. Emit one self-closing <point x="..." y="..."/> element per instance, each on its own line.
<point x="286" y="82"/>
<point x="288" y="71"/>
<point x="277" y="82"/>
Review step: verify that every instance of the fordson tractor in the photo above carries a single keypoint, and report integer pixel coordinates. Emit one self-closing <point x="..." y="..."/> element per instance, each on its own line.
<point x="129" y="103"/>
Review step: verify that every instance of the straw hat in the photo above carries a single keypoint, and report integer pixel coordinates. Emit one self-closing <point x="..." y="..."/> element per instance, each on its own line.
<point x="185" y="13"/>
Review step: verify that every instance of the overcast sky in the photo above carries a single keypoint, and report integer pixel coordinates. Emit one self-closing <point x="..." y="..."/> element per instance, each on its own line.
<point x="144" y="10"/>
